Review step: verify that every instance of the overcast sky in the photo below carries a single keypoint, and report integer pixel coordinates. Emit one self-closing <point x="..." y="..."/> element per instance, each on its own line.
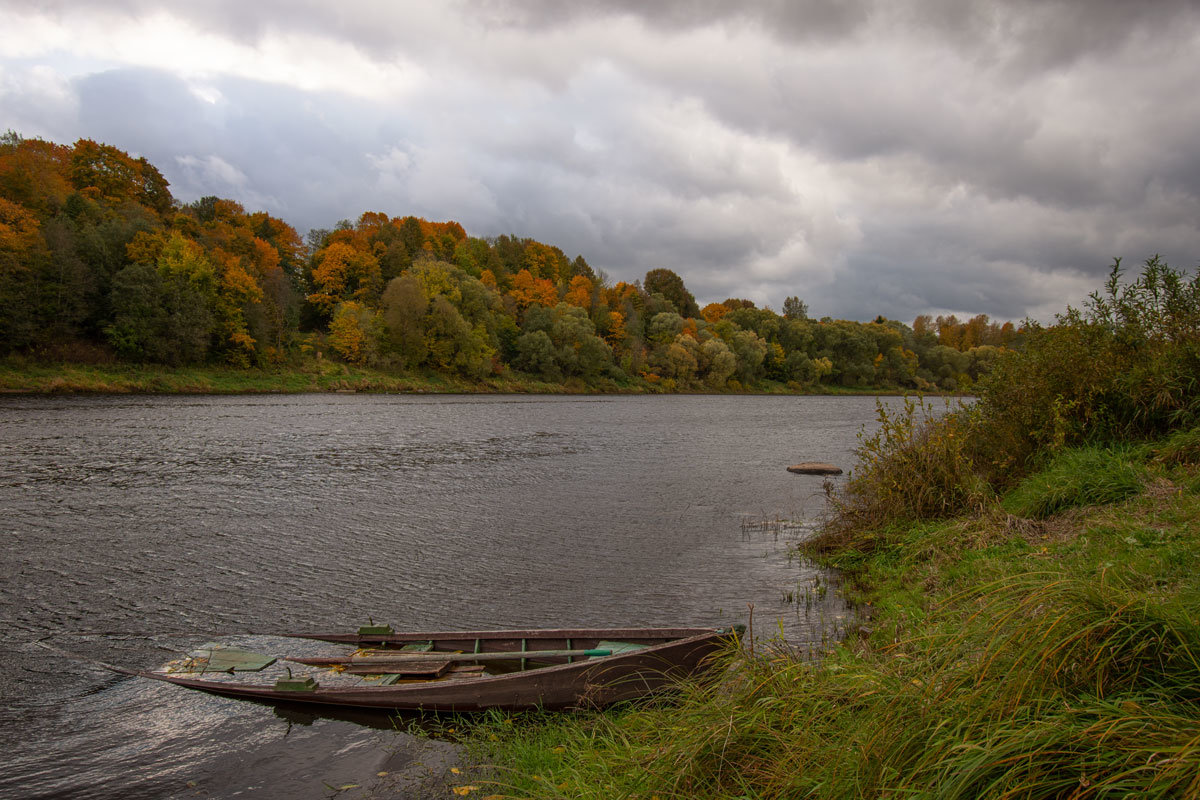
<point x="888" y="157"/>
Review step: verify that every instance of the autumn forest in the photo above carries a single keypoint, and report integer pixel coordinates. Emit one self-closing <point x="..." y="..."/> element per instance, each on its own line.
<point x="100" y="264"/>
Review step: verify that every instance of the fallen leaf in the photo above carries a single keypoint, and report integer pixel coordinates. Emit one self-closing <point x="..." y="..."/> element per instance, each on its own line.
<point x="463" y="791"/>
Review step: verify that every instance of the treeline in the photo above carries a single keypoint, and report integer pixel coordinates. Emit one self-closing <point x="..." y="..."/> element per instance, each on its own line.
<point x="99" y="262"/>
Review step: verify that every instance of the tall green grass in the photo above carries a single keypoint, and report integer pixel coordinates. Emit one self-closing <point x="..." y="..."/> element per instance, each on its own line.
<point x="1181" y="448"/>
<point x="1078" y="477"/>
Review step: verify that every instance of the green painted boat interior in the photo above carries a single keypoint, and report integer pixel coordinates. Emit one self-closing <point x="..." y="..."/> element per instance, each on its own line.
<point x="617" y="648"/>
<point x="233" y="659"/>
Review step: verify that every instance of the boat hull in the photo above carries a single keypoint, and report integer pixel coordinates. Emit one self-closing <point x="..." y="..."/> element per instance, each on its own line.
<point x="667" y="655"/>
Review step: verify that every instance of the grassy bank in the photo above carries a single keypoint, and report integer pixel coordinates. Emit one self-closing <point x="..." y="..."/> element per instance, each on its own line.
<point x="25" y="377"/>
<point x="312" y="377"/>
<point x="1009" y="653"/>
<point x="1029" y="574"/>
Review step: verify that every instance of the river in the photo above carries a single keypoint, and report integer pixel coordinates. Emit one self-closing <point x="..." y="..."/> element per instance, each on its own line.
<point x="137" y="527"/>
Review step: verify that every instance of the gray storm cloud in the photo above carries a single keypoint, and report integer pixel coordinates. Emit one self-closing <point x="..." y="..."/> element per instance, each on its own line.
<point x="873" y="158"/>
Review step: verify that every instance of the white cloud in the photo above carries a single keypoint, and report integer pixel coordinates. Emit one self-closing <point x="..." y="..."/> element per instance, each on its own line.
<point x="36" y="100"/>
<point x="200" y="176"/>
<point x="164" y="41"/>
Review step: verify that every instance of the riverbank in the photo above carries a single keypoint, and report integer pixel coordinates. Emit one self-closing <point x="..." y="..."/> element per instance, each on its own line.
<point x="1046" y="646"/>
<point x="315" y="377"/>
<point x="20" y="377"/>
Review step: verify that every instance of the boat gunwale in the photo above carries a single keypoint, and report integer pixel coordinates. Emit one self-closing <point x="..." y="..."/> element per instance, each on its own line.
<point x="667" y="634"/>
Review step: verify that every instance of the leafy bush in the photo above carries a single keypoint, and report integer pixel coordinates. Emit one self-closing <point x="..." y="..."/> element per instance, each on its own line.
<point x="915" y="466"/>
<point x="1088" y="476"/>
<point x="1126" y="368"/>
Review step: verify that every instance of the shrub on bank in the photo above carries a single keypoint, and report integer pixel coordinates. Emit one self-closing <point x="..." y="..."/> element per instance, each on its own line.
<point x="917" y="465"/>
<point x="1125" y="369"/>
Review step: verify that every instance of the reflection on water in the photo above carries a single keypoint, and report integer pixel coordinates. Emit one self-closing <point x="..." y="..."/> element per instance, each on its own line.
<point x="155" y="518"/>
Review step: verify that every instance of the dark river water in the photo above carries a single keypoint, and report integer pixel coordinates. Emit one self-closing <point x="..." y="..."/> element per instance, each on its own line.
<point x="135" y="528"/>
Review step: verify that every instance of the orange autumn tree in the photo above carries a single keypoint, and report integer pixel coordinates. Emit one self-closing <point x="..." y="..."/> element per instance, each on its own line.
<point x="546" y="261"/>
<point x="579" y="293"/>
<point x="441" y="238"/>
<point x="528" y="290"/>
<point x="344" y="273"/>
<point x="34" y="173"/>
<point x="19" y="233"/>
<point x="713" y="312"/>
<point x="114" y="176"/>
<point x="21" y="249"/>
<point x="626" y="294"/>
<point x="250" y="252"/>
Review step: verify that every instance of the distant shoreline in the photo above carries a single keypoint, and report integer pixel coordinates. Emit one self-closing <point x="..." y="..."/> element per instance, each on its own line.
<point x="330" y="377"/>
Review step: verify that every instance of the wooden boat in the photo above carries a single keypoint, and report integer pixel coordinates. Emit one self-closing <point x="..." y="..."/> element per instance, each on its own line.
<point x="453" y="671"/>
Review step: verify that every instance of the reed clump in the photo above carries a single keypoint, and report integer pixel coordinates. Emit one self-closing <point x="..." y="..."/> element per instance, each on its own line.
<point x="917" y="465"/>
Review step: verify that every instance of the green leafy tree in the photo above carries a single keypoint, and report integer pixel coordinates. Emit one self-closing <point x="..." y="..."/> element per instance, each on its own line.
<point x="664" y="327"/>
<point x="404" y="307"/>
<point x="138" y="313"/>
<point x="670" y="286"/>
<point x="717" y="363"/>
<point x="453" y="344"/>
<point x="750" y="351"/>
<point x="535" y="354"/>
<point x="795" y="309"/>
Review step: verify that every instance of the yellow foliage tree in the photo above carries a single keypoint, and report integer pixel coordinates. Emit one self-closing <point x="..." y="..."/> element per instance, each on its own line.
<point x="616" y="330"/>
<point x="354" y="331"/>
<point x="344" y="273"/>
<point x="579" y="293"/>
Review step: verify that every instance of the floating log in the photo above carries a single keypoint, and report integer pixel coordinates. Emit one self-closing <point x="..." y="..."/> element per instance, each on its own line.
<point x="815" y="468"/>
